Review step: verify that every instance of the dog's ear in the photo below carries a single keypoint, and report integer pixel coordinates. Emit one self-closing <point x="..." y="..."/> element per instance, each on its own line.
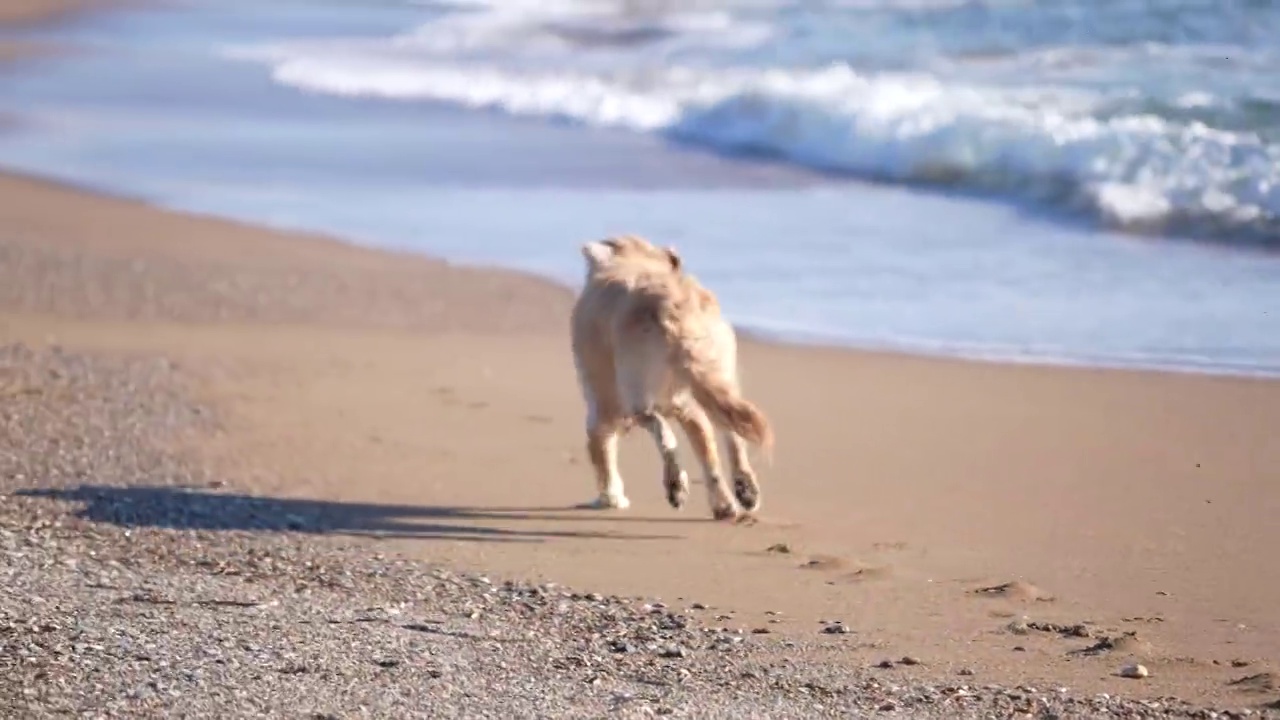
<point x="598" y="252"/>
<point x="674" y="258"/>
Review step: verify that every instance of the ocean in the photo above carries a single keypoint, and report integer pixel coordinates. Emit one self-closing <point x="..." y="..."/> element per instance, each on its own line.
<point x="1087" y="182"/>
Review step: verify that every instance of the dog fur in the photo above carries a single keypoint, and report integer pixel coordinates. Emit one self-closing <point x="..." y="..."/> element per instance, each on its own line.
<point x="650" y="346"/>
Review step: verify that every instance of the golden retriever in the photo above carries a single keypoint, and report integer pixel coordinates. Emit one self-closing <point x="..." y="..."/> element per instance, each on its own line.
<point x="650" y="345"/>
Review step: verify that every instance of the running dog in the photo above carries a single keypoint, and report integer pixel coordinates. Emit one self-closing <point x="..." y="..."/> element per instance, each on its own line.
<point x="650" y="345"/>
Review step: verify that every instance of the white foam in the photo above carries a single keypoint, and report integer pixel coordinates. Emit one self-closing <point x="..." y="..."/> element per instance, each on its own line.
<point x="1131" y="170"/>
<point x="515" y="28"/>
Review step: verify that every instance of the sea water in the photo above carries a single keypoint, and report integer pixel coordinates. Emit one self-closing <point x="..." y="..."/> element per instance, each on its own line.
<point x="1082" y="181"/>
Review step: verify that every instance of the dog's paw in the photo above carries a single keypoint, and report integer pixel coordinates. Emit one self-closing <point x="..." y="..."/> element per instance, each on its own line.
<point x="726" y="511"/>
<point x="747" y="491"/>
<point x="609" y="502"/>
<point x="677" y="486"/>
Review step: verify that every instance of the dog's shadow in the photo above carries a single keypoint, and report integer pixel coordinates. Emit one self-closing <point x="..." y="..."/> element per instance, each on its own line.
<point x="186" y="508"/>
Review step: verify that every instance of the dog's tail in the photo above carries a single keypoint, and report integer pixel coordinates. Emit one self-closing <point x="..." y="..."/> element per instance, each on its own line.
<point x="725" y="403"/>
<point x="680" y="318"/>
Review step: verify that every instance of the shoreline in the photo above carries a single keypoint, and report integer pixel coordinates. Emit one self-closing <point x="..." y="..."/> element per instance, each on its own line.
<point x="1086" y="343"/>
<point x="747" y="333"/>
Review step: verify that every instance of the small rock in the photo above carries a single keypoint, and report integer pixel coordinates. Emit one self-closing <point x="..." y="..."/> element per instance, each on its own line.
<point x="781" y="548"/>
<point x="837" y="628"/>
<point x="697" y="606"/>
<point x="1135" y="671"/>
<point x="673" y="651"/>
<point x="887" y="707"/>
<point x="909" y="660"/>
<point x="885" y="664"/>
<point x="967" y="672"/>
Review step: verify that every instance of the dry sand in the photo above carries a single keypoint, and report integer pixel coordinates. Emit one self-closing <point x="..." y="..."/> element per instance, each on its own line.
<point x="1019" y="525"/>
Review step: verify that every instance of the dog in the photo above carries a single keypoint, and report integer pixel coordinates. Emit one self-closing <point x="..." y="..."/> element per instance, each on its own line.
<point x="650" y="345"/>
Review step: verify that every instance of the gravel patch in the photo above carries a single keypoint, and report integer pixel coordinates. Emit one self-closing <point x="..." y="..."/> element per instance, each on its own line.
<point x="135" y="583"/>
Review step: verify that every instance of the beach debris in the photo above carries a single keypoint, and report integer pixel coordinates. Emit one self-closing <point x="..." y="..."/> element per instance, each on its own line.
<point x="1263" y="682"/>
<point x="1022" y="627"/>
<point x="1126" y="643"/>
<point x="837" y="628"/>
<point x="1017" y="590"/>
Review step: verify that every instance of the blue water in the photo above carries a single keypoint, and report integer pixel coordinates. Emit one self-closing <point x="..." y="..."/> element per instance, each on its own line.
<point x="1085" y="181"/>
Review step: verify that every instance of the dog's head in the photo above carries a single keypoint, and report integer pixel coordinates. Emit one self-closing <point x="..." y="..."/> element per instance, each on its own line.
<point x="609" y="252"/>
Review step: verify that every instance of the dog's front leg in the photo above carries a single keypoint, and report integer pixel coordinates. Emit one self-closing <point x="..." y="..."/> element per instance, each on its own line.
<point x="602" y="447"/>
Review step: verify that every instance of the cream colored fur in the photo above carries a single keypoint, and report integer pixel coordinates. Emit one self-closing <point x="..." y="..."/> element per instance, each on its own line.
<point x="650" y="347"/>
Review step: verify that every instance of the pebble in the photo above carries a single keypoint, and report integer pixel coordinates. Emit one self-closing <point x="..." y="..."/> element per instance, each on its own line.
<point x="1135" y="671"/>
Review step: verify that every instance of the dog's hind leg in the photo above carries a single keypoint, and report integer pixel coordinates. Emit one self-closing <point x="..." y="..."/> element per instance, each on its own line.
<point x="702" y="436"/>
<point x="746" y="487"/>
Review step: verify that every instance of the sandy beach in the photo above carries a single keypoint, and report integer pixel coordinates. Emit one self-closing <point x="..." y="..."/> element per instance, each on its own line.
<point x="1000" y="525"/>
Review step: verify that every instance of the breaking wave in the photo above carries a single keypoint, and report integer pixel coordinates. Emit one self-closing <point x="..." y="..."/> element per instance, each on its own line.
<point x="1135" y="163"/>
